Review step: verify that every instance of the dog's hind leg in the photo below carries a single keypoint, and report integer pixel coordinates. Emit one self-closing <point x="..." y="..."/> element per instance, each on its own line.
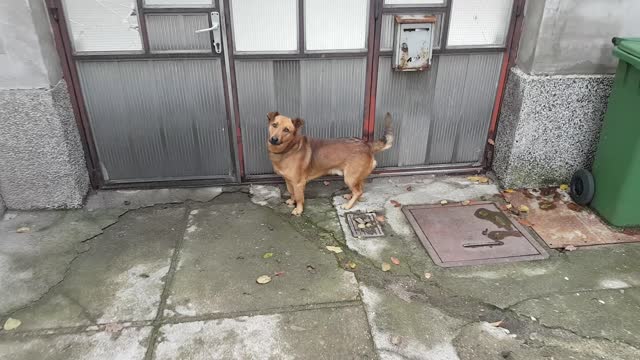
<point x="355" y="185"/>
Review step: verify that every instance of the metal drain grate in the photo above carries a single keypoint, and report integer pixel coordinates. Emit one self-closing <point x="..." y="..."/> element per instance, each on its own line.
<point x="364" y="225"/>
<point x="457" y="235"/>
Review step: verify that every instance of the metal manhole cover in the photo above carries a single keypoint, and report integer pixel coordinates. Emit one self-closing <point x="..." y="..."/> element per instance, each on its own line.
<point x="457" y="235"/>
<point x="364" y="225"/>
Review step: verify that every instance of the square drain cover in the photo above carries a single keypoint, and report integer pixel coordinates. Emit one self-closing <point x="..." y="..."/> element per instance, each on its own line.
<point x="364" y="225"/>
<point x="457" y="235"/>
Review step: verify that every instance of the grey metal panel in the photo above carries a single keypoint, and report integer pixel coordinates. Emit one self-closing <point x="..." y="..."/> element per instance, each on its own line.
<point x="176" y="32"/>
<point x="328" y="94"/>
<point x="441" y="116"/>
<point x="157" y="119"/>
<point x="388" y="28"/>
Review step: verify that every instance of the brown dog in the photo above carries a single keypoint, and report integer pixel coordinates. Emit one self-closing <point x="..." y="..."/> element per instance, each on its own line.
<point x="299" y="158"/>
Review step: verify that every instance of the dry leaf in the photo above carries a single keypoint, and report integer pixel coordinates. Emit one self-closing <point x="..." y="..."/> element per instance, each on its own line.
<point x="409" y="188"/>
<point x="491" y="142"/>
<point x="264" y="279"/>
<point x="496" y="324"/>
<point x="386" y="266"/>
<point x="570" y="248"/>
<point x="574" y="207"/>
<point x="395" y="203"/>
<point x="525" y="222"/>
<point x="479" y="179"/>
<point x="352" y="265"/>
<point x="23" y="229"/>
<point x="11" y="324"/>
<point x="444" y="202"/>
<point x="113" y="328"/>
<point x="523" y="208"/>
<point x="347" y="196"/>
<point x="267" y="255"/>
<point x="395" y="260"/>
<point x="278" y="273"/>
<point x="564" y="187"/>
<point x="427" y="275"/>
<point x="508" y="206"/>
<point x="380" y="218"/>
<point x="466" y="202"/>
<point x="334" y="249"/>
<point x="508" y="191"/>
<point x="326" y="183"/>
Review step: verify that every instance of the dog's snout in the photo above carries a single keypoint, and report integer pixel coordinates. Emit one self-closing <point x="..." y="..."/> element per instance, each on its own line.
<point x="273" y="140"/>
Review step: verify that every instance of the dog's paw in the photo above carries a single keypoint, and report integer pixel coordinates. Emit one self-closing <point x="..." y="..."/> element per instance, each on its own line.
<point x="346" y="206"/>
<point x="290" y="202"/>
<point x="296" y="212"/>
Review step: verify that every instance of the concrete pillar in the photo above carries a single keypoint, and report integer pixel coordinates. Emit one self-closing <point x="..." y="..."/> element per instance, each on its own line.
<point x="41" y="158"/>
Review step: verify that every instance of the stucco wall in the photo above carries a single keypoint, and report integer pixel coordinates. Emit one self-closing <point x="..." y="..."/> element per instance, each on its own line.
<point x="574" y="36"/>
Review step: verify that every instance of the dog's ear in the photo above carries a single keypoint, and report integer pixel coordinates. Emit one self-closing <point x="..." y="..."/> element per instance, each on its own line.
<point x="297" y="122"/>
<point x="272" y="115"/>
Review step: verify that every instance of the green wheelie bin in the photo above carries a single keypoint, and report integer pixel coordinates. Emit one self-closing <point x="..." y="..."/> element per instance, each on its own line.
<point x="613" y="187"/>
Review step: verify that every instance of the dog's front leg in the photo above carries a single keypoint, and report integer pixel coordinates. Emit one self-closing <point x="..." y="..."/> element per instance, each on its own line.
<point x="291" y="201"/>
<point x="298" y="196"/>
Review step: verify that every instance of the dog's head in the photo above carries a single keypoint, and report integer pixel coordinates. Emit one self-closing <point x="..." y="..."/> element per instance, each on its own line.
<point x="282" y="129"/>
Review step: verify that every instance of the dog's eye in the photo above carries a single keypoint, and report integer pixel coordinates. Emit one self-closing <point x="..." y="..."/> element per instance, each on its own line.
<point x="274" y="125"/>
<point x="286" y="130"/>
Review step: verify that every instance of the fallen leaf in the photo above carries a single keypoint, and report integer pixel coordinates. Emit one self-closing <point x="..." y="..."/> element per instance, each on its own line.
<point x="23" y="229"/>
<point x="427" y="275"/>
<point x="525" y="222"/>
<point x="523" y="208"/>
<point x="533" y="318"/>
<point x="395" y="260"/>
<point x="326" y="183"/>
<point x="278" y="273"/>
<point x="347" y="196"/>
<point x="546" y="205"/>
<point x="11" y="324"/>
<point x="574" y="207"/>
<point x="361" y="226"/>
<point x="479" y="179"/>
<point x="264" y="279"/>
<point x="380" y="218"/>
<point x="496" y="324"/>
<point x="508" y="191"/>
<point x="113" y="328"/>
<point x="491" y="142"/>
<point x="444" y="202"/>
<point x="311" y="269"/>
<point x="395" y="203"/>
<point x="409" y="188"/>
<point x="564" y="187"/>
<point x="386" y="266"/>
<point x="335" y="249"/>
<point x="466" y="202"/>
<point x="601" y="302"/>
<point x="352" y="265"/>
<point x="508" y="206"/>
<point x="570" y="248"/>
<point x="267" y="255"/>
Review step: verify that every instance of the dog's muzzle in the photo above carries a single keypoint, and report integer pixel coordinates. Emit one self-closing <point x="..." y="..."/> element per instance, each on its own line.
<point x="273" y="141"/>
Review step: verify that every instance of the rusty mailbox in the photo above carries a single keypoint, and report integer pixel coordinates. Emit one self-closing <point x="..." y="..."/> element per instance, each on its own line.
<point x="413" y="42"/>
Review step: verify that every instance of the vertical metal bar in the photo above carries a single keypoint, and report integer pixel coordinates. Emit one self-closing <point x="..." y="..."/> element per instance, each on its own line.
<point x="513" y="39"/>
<point x="370" y="51"/>
<point x="370" y="125"/>
<point x="142" y="23"/>
<point x="301" y="43"/>
<point x="65" y="51"/>
<point x="444" y="36"/>
<point x="233" y="86"/>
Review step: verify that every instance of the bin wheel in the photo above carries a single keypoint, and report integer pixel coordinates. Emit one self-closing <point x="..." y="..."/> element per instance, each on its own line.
<point x="582" y="187"/>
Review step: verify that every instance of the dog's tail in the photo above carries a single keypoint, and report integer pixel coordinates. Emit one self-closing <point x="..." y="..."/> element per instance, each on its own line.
<point x="387" y="139"/>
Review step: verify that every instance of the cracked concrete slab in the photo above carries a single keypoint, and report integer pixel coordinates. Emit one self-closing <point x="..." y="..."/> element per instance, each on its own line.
<point x="119" y="276"/>
<point x="33" y="261"/>
<point x="128" y="344"/>
<point x="135" y="199"/>
<point x="313" y="334"/>
<point x="219" y="262"/>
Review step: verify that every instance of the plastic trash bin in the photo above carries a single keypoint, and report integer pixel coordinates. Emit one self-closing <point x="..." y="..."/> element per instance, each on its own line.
<point x="613" y="187"/>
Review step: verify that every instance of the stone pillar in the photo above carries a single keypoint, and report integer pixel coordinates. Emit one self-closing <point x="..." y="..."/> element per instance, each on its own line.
<point x="42" y="162"/>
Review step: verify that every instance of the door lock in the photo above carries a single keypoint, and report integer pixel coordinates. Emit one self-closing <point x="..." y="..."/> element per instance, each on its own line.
<point x="215" y="32"/>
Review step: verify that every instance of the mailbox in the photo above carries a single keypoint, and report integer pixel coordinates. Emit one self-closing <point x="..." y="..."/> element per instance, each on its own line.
<point x="413" y="42"/>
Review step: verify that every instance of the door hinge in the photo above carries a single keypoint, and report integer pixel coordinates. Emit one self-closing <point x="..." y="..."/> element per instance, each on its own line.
<point x="52" y="7"/>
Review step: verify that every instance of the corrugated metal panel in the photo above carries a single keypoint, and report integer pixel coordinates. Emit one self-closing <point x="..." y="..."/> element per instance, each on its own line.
<point x="441" y="115"/>
<point x="328" y="94"/>
<point x="157" y="119"/>
<point x="386" y="35"/>
<point x="176" y="32"/>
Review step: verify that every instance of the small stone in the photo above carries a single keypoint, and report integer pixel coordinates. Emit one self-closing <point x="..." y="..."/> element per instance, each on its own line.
<point x="427" y="275"/>
<point x="361" y="226"/>
<point x="22" y="230"/>
<point x="11" y="324"/>
<point x="466" y="202"/>
<point x="444" y="202"/>
<point x="264" y="279"/>
<point x="368" y="225"/>
<point x="396" y="340"/>
<point x="601" y="302"/>
<point x="534" y="319"/>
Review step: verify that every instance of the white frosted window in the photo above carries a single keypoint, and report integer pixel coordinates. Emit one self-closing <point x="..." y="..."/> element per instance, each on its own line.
<point x="265" y="26"/>
<point x="103" y="25"/>
<point x="335" y="24"/>
<point x="178" y="3"/>
<point x="479" y="23"/>
<point x="413" y="2"/>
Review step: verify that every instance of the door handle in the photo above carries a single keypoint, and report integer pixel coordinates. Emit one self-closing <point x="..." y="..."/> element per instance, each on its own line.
<point x="215" y="30"/>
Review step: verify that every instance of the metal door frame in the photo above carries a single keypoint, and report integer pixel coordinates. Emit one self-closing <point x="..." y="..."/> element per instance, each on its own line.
<point x="373" y="52"/>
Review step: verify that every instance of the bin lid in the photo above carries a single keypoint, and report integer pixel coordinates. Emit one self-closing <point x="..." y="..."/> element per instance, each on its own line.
<point x="628" y="49"/>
